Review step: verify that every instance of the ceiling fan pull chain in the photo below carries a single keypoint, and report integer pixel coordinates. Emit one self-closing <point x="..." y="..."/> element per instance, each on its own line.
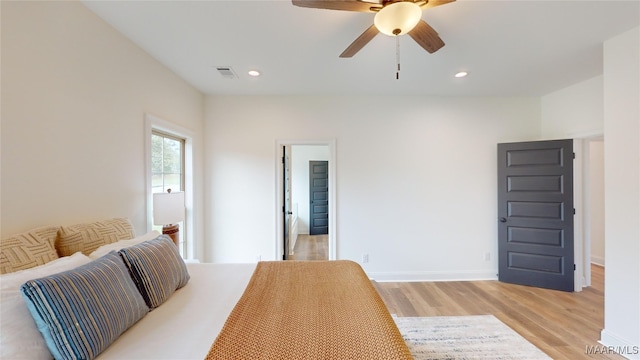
<point x="398" y="56"/>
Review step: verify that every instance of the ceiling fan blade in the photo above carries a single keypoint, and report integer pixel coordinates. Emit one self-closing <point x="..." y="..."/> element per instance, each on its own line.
<point x="434" y="3"/>
<point x="426" y="37"/>
<point x="347" y="5"/>
<point x="360" y="42"/>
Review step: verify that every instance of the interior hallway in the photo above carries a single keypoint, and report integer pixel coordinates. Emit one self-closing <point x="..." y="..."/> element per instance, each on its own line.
<point x="311" y="247"/>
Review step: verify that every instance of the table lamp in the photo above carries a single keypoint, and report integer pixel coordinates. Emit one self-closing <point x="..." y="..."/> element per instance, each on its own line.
<point x="168" y="210"/>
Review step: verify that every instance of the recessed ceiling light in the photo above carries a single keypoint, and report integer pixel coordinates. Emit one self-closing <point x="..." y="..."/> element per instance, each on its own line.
<point x="254" y="73"/>
<point x="461" y="74"/>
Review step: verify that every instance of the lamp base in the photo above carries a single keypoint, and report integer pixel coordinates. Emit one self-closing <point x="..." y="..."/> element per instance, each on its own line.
<point x="172" y="231"/>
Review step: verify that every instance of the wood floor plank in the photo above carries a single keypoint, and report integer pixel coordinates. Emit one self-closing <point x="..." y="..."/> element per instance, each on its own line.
<point x="561" y="324"/>
<point x="311" y="247"/>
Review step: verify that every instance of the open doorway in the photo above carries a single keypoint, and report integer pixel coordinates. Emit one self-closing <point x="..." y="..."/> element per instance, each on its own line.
<point x="297" y="237"/>
<point x="590" y="209"/>
<point x="594" y="202"/>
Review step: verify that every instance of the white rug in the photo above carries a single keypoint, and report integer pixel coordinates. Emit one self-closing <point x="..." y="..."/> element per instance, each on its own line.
<point x="464" y="337"/>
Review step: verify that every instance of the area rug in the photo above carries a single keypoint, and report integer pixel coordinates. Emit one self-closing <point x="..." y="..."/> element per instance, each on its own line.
<point x="464" y="337"/>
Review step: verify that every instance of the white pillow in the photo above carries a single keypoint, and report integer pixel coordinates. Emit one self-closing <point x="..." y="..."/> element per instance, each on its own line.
<point x="117" y="246"/>
<point x="20" y="338"/>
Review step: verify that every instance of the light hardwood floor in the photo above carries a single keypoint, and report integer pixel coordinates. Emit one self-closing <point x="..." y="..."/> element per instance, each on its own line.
<point x="559" y="323"/>
<point x="311" y="247"/>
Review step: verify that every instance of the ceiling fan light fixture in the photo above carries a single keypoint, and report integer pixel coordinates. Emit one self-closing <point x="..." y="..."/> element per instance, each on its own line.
<point x="398" y="18"/>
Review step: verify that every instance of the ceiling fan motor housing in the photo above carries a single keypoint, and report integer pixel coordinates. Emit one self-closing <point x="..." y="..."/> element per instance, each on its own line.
<point x="397" y="17"/>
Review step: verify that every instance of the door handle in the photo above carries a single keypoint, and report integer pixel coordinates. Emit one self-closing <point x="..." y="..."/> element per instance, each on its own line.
<point x="289" y="213"/>
<point x="503" y="219"/>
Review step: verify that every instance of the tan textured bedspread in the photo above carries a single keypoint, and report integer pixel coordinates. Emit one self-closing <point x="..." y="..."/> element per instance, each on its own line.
<point x="309" y="310"/>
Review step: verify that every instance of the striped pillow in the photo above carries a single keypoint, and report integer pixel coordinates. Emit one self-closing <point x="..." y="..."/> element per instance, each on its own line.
<point x="80" y="312"/>
<point x="157" y="269"/>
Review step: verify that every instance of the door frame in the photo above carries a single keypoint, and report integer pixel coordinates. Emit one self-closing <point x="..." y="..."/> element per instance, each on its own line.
<point x="286" y="217"/>
<point x="582" y="204"/>
<point x="279" y="235"/>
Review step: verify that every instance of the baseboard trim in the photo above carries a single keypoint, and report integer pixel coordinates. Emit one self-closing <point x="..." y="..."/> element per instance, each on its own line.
<point x="407" y="276"/>
<point x="614" y="343"/>
<point x="598" y="260"/>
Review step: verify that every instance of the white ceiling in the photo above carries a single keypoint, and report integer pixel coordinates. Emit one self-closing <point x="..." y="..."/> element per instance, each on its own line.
<point x="509" y="47"/>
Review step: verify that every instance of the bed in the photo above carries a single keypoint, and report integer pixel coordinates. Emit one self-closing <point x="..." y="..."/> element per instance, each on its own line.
<point x="215" y="311"/>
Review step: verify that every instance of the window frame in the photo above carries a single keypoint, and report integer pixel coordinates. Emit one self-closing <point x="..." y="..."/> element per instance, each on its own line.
<point x="182" y="142"/>
<point x="191" y="249"/>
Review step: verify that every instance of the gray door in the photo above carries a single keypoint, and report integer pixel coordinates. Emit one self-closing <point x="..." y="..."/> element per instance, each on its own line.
<point x="318" y="197"/>
<point x="535" y="214"/>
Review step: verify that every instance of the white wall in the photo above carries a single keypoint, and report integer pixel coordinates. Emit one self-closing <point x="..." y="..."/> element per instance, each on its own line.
<point x="300" y="157"/>
<point x="416" y="176"/>
<point x="574" y="111"/>
<point x="74" y="96"/>
<point x="596" y="201"/>
<point x="622" y="190"/>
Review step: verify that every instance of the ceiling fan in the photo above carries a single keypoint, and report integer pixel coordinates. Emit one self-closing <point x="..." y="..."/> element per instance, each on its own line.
<point x="393" y="18"/>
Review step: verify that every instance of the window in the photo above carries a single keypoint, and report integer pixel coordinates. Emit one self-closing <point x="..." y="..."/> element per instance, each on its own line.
<point x="167" y="162"/>
<point x="167" y="169"/>
<point x="169" y="152"/>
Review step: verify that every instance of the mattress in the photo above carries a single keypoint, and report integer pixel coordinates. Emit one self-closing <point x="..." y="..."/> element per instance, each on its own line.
<point x="187" y="323"/>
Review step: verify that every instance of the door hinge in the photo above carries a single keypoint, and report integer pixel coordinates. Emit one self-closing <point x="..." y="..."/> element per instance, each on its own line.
<point x="574" y="155"/>
<point x="574" y="267"/>
<point x="283" y="159"/>
<point x="574" y="211"/>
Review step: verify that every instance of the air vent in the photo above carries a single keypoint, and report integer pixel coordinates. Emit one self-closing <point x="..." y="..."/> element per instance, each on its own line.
<point x="227" y="72"/>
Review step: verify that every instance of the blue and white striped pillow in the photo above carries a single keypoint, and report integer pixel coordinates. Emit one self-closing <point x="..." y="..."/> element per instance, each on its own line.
<point x="157" y="269"/>
<point x="80" y="312"/>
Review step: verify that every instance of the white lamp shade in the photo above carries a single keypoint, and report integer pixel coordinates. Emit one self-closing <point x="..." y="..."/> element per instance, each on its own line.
<point x="400" y="17"/>
<point x="168" y="208"/>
